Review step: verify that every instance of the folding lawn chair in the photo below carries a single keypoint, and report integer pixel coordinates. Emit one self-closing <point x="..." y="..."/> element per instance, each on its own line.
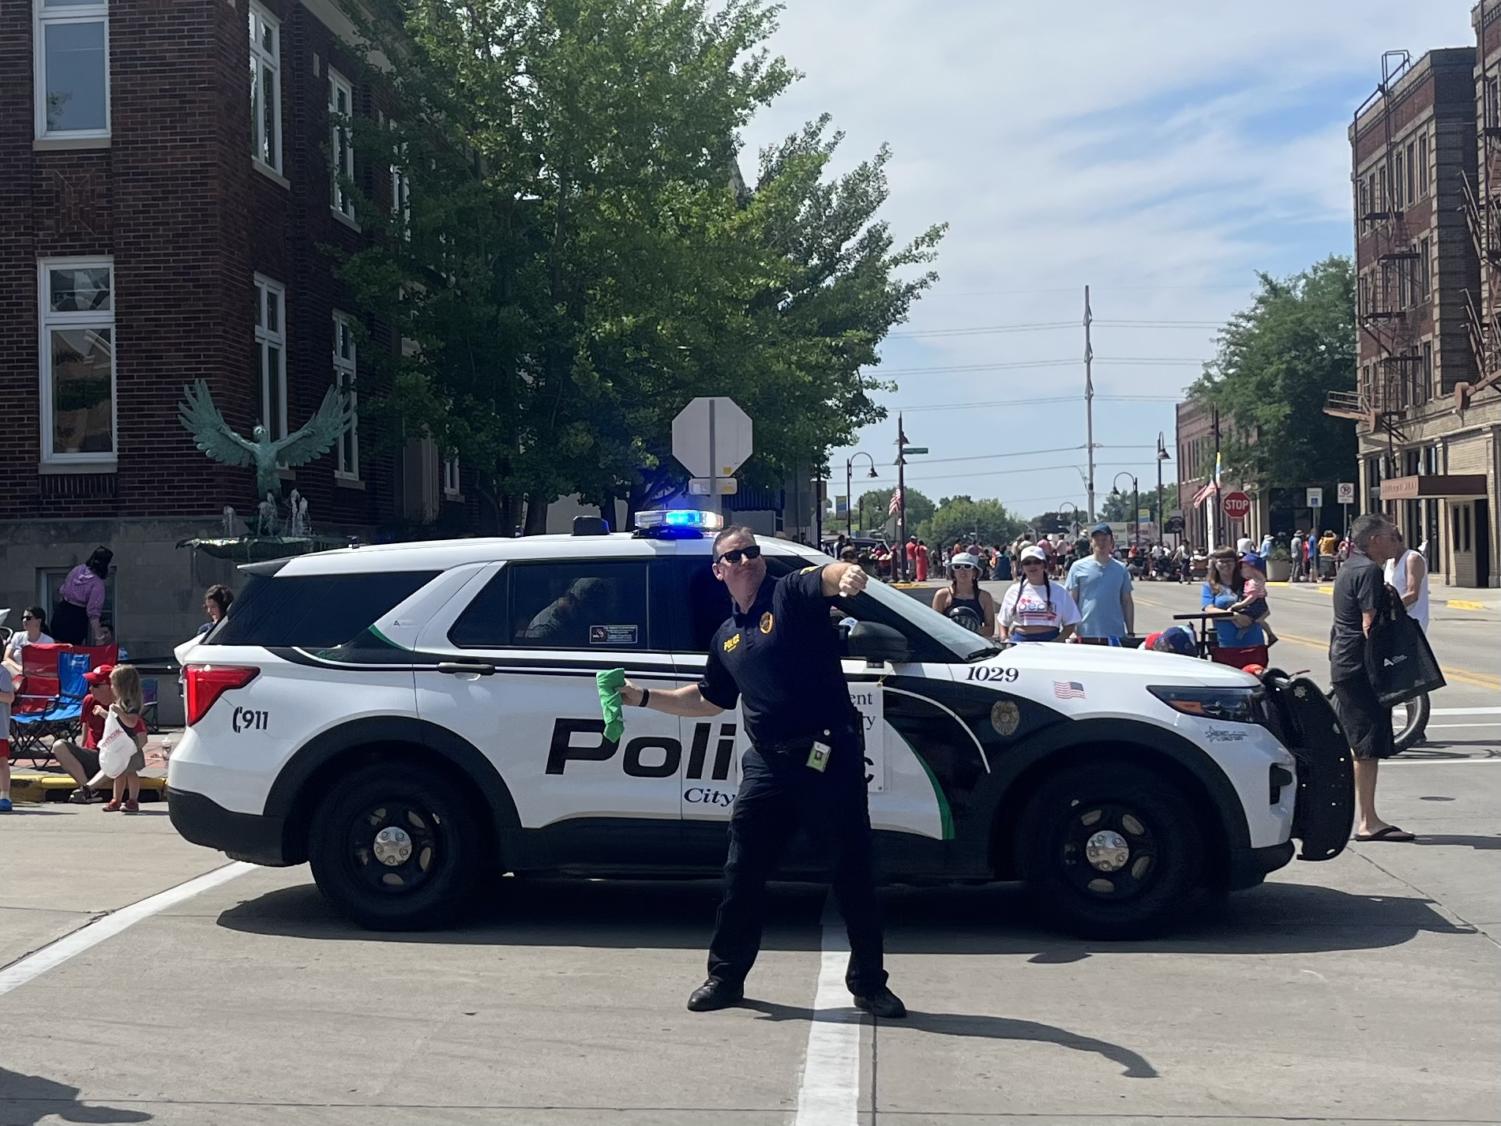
<point x="50" y="702"/>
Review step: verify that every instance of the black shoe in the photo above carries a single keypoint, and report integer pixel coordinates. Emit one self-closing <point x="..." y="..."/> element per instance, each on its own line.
<point x="881" y="1003"/>
<point x="715" y="994"/>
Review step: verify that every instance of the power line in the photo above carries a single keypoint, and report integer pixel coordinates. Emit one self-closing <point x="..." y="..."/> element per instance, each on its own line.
<point x="1046" y="326"/>
<point x="1039" y="402"/>
<point x="1117" y="361"/>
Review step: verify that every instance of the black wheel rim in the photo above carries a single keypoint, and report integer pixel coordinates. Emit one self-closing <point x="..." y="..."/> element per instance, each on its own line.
<point x="1108" y="851"/>
<point x="395" y="847"/>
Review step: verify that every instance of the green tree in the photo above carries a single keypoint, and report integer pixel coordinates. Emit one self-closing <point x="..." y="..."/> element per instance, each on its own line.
<point x="871" y="511"/>
<point x="1276" y="362"/>
<point x="581" y="257"/>
<point x="960" y="518"/>
<point x="1117" y="506"/>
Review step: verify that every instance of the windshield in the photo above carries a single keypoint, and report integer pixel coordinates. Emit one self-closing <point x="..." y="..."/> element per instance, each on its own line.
<point x="963" y="644"/>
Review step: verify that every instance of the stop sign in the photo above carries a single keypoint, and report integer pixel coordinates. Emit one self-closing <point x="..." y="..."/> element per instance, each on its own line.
<point x="1237" y="505"/>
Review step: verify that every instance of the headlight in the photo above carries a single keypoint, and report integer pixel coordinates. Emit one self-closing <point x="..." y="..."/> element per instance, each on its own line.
<point x="1235" y="705"/>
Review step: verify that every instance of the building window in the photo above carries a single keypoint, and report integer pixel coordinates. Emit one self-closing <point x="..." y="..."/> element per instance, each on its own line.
<point x="77" y="302"/>
<point x="451" y="476"/>
<point x="271" y="354"/>
<point x="1424" y="277"/>
<point x="345" y="368"/>
<point x="1412" y="172"/>
<point x="265" y="88"/>
<point x="1492" y="102"/>
<point x="1423" y="164"/>
<point x="70" y="48"/>
<point x="1397" y="182"/>
<point x="1425" y="373"/>
<point x="340" y="143"/>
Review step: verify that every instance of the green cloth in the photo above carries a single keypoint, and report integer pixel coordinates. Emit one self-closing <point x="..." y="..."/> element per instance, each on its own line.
<point x="610" y="682"/>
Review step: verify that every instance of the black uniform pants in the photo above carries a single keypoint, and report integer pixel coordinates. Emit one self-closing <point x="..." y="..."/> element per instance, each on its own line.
<point x="778" y="794"/>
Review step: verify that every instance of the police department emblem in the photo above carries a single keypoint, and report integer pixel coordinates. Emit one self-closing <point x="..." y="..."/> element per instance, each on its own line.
<point x="1005" y="717"/>
<point x="767" y="621"/>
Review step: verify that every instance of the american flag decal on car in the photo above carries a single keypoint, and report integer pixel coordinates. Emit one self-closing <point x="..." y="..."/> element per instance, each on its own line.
<point x="1068" y="690"/>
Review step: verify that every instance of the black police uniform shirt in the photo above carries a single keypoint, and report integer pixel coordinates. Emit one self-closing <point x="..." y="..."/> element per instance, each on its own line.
<point x="780" y="659"/>
<point x="1357" y="589"/>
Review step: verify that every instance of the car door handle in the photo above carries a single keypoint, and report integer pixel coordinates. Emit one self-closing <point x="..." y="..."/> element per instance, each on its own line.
<point x="466" y="668"/>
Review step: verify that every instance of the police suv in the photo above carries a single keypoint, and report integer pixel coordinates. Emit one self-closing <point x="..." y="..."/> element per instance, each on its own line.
<point x="410" y="716"/>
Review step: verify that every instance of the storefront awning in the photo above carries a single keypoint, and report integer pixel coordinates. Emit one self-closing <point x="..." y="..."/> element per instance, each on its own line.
<point x="1442" y="486"/>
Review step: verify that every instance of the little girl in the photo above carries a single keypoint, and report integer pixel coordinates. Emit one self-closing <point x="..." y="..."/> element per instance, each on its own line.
<point x="1253" y="592"/>
<point x="125" y="682"/>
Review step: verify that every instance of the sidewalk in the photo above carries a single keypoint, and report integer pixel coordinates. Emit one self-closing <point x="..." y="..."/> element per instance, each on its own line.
<point x="1480" y="599"/>
<point x="51" y="783"/>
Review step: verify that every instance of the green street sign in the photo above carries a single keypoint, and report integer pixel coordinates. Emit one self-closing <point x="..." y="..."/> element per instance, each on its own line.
<point x="914" y="449"/>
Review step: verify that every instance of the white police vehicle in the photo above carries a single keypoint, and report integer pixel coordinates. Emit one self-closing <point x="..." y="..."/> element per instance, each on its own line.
<point x="407" y="717"/>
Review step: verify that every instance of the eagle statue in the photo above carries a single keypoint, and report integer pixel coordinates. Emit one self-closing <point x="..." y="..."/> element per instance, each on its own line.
<point x="212" y="435"/>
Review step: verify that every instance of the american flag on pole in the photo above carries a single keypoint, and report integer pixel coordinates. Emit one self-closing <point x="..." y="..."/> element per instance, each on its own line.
<point x="1068" y="690"/>
<point x="896" y="503"/>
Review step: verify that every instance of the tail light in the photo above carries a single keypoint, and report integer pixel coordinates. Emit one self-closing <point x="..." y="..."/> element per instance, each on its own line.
<point x="206" y="683"/>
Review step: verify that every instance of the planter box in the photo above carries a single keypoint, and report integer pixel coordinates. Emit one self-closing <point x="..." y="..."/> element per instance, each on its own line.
<point x="1279" y="570"/>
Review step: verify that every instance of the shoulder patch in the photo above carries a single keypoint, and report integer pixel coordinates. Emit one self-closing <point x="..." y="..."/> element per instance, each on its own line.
<point x="805" y="570"/>
<point x="731" y="642"/>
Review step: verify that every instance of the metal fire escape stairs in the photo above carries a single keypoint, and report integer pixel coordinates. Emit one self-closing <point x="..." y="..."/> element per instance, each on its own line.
<point x="1481" y="205"/>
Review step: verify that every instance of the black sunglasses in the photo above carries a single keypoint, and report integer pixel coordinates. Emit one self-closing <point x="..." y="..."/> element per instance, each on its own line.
<point x="28" y="617"/>
<point x="739" y="554"/>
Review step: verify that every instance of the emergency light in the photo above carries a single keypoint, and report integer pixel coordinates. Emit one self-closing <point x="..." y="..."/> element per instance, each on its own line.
<point x="686" y="518"/>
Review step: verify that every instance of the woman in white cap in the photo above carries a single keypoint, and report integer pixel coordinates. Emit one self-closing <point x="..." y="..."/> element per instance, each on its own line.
<point x="964" y="590"/>
<point x="1036" y="608"/>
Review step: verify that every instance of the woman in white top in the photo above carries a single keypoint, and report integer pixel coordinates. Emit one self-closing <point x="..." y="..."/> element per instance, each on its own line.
<point x="1408" y="573"/>
<point x="34" y="619"/>
<point x="1036" y="608"/>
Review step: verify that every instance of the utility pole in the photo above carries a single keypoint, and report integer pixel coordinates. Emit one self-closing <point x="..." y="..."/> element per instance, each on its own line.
<point x="901" y="498"/>
<point x="1214" y="507"/>
<point x="1089" y="401"/>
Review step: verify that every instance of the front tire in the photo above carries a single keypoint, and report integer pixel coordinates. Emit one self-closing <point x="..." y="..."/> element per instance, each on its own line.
<point x="394" y="847"/>
<point x="1110" y="851"/>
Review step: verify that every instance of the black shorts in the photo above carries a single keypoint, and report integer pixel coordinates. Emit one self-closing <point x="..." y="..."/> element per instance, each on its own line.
<point x="1367" y="724"/>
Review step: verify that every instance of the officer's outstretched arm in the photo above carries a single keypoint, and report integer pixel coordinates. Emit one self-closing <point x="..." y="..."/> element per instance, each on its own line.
<point x="687" y="700"/>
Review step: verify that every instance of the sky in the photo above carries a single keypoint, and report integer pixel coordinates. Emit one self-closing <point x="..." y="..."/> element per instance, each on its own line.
<point x="1162" y="153"/>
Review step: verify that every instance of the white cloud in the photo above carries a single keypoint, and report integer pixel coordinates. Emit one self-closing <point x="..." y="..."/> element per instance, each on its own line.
<point x="1162" y="152"/>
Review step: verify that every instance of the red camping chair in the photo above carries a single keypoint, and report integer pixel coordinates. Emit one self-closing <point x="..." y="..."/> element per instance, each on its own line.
<point x="49" y="697"/>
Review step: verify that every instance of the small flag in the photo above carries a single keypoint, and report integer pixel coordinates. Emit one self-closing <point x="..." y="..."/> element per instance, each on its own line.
<point x="896" y="503"/>
<point x="1068" y="690"/>
<point x="1217" y="467"/>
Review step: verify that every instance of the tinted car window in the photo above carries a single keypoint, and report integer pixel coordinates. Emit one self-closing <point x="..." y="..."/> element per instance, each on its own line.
<point x="558" y="605"/>
<point x="703" y="601"/>
<point x="313" y="611"/>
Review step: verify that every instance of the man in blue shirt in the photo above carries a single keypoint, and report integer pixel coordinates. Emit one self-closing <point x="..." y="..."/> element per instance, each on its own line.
<point x="1101" y="587"/>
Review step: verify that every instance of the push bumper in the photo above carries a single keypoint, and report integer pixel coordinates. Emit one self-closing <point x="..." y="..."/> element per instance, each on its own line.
<point x="1325" y="805"/>
<point x="242" y="836"/>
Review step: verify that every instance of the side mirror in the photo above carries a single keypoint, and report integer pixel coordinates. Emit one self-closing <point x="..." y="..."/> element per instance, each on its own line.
<point x="878" y="644"/>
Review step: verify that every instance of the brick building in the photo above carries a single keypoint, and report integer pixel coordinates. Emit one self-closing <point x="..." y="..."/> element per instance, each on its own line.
<point x="1426" y="435"/>
<point x="163" y="221"/>
<point x="1204" y="525"/>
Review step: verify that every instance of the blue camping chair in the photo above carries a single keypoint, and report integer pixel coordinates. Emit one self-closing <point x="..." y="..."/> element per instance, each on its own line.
<point x="62" y="718"/>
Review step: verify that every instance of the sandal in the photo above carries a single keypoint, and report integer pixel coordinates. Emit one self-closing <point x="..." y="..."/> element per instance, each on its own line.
<point x="111" y="807"/>
<point x="1390" y="833"/>
<point x="132" y="806"/>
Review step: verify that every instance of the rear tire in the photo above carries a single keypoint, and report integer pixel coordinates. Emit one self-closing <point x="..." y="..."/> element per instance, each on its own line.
<point x="1409" y="722"/>
<point x="1110" y="851"/>
<point x="395" y="847"/>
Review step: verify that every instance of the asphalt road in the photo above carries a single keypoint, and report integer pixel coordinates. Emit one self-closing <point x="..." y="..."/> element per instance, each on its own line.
<point x="1360" y="990"/>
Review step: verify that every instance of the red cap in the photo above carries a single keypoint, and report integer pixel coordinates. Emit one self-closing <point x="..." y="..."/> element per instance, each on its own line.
<point x="99" y="674"/>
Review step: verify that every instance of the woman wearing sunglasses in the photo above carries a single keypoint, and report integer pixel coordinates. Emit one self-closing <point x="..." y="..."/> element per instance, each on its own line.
<point x="34" y="621"/>
<point x="964" y="591"/>
<point x="1036" y="608"/>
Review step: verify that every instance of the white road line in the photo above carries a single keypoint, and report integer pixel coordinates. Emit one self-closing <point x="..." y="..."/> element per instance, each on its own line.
<point x="1465" y="711"/>
<point x="1466" y="726"/>
<point x="92" y="934"/>
<point x="1440" y="762"/>
<point x="829" y="1094"/>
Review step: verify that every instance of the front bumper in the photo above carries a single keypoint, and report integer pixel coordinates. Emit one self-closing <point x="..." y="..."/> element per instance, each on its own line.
<point x="242" y="836"/>
<point x="1326" y="781"/>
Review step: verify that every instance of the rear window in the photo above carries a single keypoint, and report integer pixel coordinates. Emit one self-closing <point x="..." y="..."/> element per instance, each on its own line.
<point x="313" y="611"/>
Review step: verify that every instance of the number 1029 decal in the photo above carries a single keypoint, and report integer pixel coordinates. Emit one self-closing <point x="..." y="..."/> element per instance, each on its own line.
<point x="993" y="673"/>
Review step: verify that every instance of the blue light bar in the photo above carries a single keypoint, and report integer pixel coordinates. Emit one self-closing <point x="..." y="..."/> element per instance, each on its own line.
<point x="680" y="518"/>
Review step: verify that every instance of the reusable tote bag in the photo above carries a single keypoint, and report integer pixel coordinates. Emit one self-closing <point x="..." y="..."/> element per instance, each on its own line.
<point x="116" y="748"/>
<point x="1399" y="660"/>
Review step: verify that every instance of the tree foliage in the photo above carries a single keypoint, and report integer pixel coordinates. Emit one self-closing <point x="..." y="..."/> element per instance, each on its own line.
<point x="1276" y="362"/>
<point x="871" y="511"/>
<point x="581" y="257"/>
<point x="962" y="519"/>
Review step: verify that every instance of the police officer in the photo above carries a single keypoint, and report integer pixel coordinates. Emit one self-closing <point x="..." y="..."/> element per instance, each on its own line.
<point x="778" y="655"/>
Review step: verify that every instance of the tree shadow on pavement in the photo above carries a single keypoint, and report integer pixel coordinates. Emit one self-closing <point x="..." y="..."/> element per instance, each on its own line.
<point x="28" y="1099"/>
<point x="1133" y="1065"/>
<point x="992" y="919"/>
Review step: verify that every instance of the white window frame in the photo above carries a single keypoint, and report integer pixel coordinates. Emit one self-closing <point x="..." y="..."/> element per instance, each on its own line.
<point x="46" y="322"/>
<point x="346" y="376"/>
<point x="260" y="57"/>
<point x="340" y="201"/>
<point x="272" y="416"/>
<point x="451" y="478"/>
<point x="401" y="195"/>
<point x="95" y="12"/>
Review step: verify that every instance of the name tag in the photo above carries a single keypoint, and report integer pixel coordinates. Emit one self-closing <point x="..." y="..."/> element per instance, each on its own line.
<point x="818" y="757"/>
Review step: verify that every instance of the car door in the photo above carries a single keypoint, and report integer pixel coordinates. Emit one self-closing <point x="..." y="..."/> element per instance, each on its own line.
<point x="516" y="658"/>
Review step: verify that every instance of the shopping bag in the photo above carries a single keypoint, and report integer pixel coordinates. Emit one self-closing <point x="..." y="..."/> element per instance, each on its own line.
<point x="1399" y="660"/>
<point x="116" y="747"/>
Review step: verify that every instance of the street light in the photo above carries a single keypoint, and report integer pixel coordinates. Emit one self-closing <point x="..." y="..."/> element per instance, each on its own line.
<point x="849" y="492"/>
<point x="1162" y="455"/>
<point x="1135" y="499"/>
<point x="1074" y="523"/>
<point x="903" y="449"/>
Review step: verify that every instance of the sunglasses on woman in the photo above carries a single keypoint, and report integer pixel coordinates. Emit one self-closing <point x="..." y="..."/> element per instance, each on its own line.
<point x="1030" y="563"/>
<point x="964" y="566"/>
<point x="740" y="554"/>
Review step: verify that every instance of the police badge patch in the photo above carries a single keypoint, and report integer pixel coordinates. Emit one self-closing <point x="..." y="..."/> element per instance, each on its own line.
<point x="767" y="621"/>
<point x="1005" y="717"/>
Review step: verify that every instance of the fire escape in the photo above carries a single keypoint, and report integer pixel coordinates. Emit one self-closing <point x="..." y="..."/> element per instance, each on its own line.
<point x="1482" y="210"/>
<point x="1392" y="382"/>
